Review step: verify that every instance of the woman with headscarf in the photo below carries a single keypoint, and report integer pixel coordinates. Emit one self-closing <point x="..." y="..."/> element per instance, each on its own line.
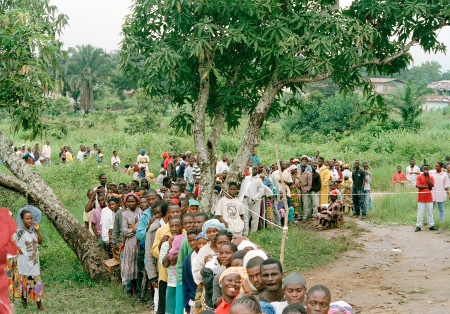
<point x="231" y="281"/>
<point x="332" y="213"/>
<point x="130" y="218"/>
<point x="294" y="288"/>
<point x="340" y="307"/>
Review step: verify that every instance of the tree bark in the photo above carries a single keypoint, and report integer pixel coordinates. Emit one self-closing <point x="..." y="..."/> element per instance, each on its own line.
<point x="250" y="140"/>
<point x="30" y="185"/>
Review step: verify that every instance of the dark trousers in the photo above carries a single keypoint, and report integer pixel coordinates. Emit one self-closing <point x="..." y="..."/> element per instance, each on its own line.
<point x="359" y="202"/>
<point x="140" y="271"/>
<point x="162" y="288"/>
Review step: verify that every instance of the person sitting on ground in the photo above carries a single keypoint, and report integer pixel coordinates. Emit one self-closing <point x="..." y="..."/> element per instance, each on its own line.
<point x="318" y="300"/>
<point x="399" y="178"/>
<point x="330" y="214"/>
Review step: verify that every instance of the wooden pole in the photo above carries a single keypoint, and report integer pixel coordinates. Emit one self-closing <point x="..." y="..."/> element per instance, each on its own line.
<point x="286" y="212"/>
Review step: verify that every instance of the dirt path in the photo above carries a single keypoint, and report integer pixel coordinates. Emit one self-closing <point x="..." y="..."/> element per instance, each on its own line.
<point x="395" y="270"/>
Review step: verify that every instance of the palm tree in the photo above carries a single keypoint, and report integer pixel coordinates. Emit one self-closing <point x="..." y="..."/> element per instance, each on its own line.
<point x="86" y="66"/>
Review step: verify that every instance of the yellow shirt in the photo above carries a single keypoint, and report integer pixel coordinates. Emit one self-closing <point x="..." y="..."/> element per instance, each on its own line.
<point x="164" y="230"/>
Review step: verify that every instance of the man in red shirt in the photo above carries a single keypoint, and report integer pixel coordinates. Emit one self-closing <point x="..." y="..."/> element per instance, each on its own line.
<point x="425" y="184"/>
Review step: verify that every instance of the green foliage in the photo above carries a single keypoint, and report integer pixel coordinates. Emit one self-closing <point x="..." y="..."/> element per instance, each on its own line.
<point x="409" y="101"/>
<point x="27" y="56"/>
<point x="59" y="106"/>
<point x="427" y="72"/>
<point x="332" y="118"/>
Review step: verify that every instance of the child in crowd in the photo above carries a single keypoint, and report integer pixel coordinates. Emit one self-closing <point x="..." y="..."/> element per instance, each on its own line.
<point x="28" y="239"/>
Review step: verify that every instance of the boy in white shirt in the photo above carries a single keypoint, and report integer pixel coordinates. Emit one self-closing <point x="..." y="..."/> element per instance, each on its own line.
<point x="230" y="210"/>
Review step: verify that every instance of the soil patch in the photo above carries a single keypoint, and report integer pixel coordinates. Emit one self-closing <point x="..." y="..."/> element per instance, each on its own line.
<point x="393" y="270"/>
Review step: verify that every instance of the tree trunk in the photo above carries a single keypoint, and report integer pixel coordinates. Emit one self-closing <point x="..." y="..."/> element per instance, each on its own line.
<point x="30" y="185"/>
<point x="251" y="136"/>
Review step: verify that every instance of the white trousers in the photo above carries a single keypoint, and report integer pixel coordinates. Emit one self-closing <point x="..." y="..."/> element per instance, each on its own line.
<point x="420" y="210"/>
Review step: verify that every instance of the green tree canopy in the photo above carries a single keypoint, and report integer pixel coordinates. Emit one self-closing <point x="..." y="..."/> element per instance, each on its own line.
<point x="87" y="66"/>
<point x="28" y="52"/>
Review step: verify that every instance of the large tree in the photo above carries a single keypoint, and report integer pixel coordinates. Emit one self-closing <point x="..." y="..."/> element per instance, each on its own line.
<point x="86" y="66"/>
<point x="28" y="52"/>
<point x="227" y="58"/>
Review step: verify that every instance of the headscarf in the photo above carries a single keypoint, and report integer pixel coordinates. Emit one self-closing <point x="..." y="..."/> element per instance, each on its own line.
<point x="132" y="194"/>
<point x="242" y="271"/>
<point x="201" y="235"/>
<point x="34" y="211"/>
<point x="246" y="243"/>
<point x="213" y="223"/>
<point x="254" y="253"/>
<point x="340" y="306"/>
<point x="142" y="151"/>
<point x="334" y="192"/>
<point x="294" y="277"/>
<point x="267" y="308"/>
<point x="164" y="155"/>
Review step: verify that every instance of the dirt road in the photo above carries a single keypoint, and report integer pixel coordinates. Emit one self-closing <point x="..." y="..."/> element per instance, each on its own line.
<point x="395" y="270"/>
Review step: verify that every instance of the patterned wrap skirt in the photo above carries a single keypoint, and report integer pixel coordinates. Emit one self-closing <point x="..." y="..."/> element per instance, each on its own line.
<point x="31" y="287"/>
<point x="12" y="273"/>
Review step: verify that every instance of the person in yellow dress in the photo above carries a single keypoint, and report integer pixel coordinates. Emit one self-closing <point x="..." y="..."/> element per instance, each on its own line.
<point x="325" y="178"/>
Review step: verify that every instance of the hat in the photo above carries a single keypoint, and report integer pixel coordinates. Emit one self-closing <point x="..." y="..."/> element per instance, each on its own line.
<point x="165" y="154"/>
<point x="304" y="156"/>
<point x="22" y="145"/>
<point x="346" y="166"/>
<point x="188" y="152"/>
<point x="294" y="278"/>
<point x="295" y="160"/>
<point x="142" y="151"/>
<point x="334" y="192"/>
<point x="193" y="203"/>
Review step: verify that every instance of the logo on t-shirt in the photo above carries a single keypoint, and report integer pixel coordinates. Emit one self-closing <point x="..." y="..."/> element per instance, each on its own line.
<point x="232" y="211"/>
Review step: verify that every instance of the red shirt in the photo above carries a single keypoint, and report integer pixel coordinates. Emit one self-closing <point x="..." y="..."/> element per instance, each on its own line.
<point x="424" y="195"/>
<point x="223" y="308"/>
<point x="166" y="162"/>
<point x="399" y="177"/>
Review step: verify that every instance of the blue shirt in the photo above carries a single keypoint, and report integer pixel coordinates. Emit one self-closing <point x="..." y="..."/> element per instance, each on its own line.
<point x="308" y="168"/>
<point x="141" y="231"/>
<point x="255" y="160"/>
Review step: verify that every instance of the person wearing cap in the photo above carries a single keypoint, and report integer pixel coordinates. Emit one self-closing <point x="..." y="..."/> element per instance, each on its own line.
<point x="304" y="179"/>
<point x="143" y="159"/>
<point x="332" y="213"/>
<point x="305" y="160"/>
<point x="193" y="207"/>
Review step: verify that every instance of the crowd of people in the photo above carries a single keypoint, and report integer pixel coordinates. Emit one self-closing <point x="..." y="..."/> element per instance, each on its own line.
<point x="182" y="260"/>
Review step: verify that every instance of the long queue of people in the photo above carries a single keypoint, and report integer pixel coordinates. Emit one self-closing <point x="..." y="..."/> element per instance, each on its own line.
<point x="194" y="263"/>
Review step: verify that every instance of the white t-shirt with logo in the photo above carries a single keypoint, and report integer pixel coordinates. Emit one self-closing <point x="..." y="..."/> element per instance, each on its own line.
<point x="231" y="209"/>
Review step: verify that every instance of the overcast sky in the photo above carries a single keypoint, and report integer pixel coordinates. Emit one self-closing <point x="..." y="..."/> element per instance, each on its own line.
<point x="98" y="22"/>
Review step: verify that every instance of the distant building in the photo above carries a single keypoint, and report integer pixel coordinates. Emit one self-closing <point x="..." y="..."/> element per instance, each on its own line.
<point x="384" y="85"/>
<point x="436" y="102"/>
<point x="440" y="87"/>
